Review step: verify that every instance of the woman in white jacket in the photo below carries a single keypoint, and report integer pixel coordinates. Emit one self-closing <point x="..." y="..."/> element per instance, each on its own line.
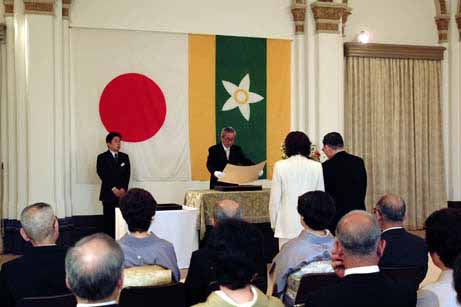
<point x="291" y="178"/>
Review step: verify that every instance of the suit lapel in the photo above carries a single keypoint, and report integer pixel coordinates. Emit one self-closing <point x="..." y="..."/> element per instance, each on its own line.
<point x="223" y="152"/>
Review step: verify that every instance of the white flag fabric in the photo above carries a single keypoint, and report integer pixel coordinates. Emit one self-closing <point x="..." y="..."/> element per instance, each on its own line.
<point x="98" y="57"/>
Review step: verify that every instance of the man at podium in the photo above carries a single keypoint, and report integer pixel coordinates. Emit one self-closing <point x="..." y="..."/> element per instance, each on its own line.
<point x="224" y="152"/>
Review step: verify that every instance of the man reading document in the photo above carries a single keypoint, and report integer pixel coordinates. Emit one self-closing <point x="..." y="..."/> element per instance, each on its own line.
<point x="221" y="154"/>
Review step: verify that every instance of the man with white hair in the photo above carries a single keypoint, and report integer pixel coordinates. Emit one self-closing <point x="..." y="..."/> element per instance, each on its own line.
<point x="357" y="251"/>
<point x="221" y="154"/>
<point x="403" y="249"/>
<point x="41" y="271"/>
<point x="94" y="270"/>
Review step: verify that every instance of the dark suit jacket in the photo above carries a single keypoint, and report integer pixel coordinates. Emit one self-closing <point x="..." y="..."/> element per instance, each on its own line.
<point x="345" y="180"/>
<point x="40" y="272"/>
<point x="217" y="160"/>
<point x="113" y="174"/>
<point x="200" y="280"/>
<point x="364" y="290"/>
<point x="404" y="249"/>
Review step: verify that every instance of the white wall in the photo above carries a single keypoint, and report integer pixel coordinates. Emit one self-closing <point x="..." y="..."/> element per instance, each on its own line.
<point x="259" y="18"/>
<point x="393" y="21"/>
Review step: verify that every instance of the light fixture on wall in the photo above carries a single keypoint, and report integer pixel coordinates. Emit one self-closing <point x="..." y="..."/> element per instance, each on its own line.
<point x="363" y="37"/>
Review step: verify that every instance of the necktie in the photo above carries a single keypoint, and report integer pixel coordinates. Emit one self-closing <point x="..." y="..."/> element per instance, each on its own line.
<point x="116" y="157"/>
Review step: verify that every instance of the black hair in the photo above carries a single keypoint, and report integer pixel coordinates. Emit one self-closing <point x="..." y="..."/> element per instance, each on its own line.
<point x="111" y="136"/>
<point x="443" y="234"/>
<point x="138" y="207"/>
<point x="297" y="143"/>
<point x="333" y="140"/>
<point x="317" y="209"/>
<point x="237" y="251"/>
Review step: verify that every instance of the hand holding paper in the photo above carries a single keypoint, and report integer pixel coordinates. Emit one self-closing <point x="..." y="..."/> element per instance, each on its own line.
<point x="218" y="174"/>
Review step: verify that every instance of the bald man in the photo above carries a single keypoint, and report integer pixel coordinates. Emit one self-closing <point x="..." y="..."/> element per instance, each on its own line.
<point x="403" y="249"/>
<point x="358" y="249"/>
<point x="201" y="276"/>
<point x="40" y="272"/>
<point x="94" y="270"/>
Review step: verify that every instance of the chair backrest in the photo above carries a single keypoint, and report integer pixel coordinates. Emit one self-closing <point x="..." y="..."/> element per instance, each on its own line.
<point x="146" y="276"/>
<point x="170" y="295"/>
<point x="66" y="300"/>
<point x="409" y="274"/>
<point x="313" y="282"/>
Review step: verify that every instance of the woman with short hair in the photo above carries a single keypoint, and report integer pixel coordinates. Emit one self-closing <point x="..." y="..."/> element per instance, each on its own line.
<point x="291" y="178"/>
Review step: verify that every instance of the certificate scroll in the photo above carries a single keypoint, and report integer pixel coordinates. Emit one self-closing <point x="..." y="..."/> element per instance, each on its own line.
<point x="242" y="174"/>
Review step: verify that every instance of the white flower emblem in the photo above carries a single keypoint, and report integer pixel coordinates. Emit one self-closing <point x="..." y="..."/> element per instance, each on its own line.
<point x="240" y="96"/>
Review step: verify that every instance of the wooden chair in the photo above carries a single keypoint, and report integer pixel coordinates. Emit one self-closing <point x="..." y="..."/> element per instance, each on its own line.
<point x="170" y="295"/>
<point x="66" y="300"/>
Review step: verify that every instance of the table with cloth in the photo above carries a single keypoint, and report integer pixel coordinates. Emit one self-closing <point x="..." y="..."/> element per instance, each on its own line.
<point x="253" y="204"/>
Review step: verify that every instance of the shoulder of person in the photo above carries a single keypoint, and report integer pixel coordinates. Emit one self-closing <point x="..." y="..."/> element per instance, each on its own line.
<point x="236" y="148"/>
<point x="214" y="147"/>
<point x="166" y="244"/>
<point x="353" y="157"/>
<point x="14" y="265"/>
<point x="426" y="297"/>
<point x="103" y="154"/>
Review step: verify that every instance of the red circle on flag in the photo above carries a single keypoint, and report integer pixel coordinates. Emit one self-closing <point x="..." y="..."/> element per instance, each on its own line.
<point x="133" y="105"/>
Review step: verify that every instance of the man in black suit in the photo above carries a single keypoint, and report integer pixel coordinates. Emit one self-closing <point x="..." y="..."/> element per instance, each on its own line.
<point x="221" y="154"/>
<point x="355" y="260"/>
<point x="201" y="276"/>
<point x="403" y="249"/>
<point x="344" y="176"/>
<point x="40" y="272"/>
<point x="113" y="167"/>
<point x="94" y="270"/>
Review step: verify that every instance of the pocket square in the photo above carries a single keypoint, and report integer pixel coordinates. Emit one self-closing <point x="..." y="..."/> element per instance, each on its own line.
<point x="123" y="164"/>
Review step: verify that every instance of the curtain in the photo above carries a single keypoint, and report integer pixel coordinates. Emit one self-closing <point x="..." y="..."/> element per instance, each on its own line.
<point x="393" y="119"/>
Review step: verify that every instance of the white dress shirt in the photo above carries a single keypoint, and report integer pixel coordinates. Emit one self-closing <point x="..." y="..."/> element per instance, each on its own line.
<point x="292" y="178"/>
<point x="230" y="301"/>
<point x="392" y="228"/>
<point x="227" y="151"/>
<point x="97" y="304"/>
<point x="362" y="270"/>
<point x="113" y="153"/>
<point x="439" y="293"/>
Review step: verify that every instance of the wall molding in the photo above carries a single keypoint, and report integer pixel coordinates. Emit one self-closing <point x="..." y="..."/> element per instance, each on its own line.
<point x="394" y="51"/>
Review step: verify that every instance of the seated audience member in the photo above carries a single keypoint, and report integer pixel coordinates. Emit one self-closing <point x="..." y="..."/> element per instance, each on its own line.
<point x="403" y="249"/>
<point x="356" y="255"/>
<point x="443" y="238"/>
<point x="237" y="247"/>
<point x="314" y="243"/>
<point x="201" y="277"/>
<point x="94" y="271"/>
<point x="457" y="277"/>
<point x="40" y="272"/>
<point x="140" y="246"/>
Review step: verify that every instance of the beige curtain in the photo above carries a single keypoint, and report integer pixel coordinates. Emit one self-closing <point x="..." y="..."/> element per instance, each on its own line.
<point x="393" y="119"/>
